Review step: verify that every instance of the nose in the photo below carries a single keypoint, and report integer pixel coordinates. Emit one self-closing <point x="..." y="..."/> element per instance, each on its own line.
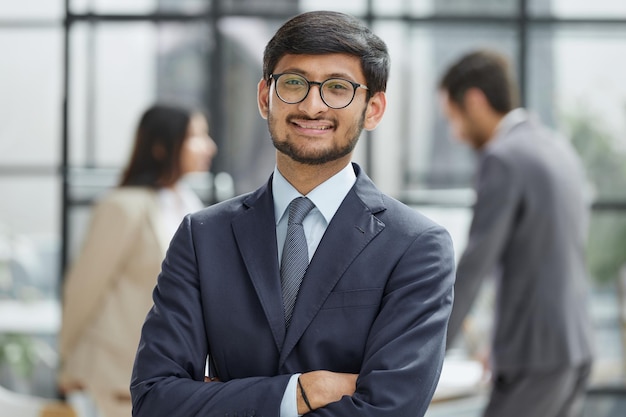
<point x="211" y="147"/>
<point x="313" y="104"/>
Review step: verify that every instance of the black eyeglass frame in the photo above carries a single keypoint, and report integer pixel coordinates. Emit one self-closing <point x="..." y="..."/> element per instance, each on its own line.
<point x="355" y="85"/>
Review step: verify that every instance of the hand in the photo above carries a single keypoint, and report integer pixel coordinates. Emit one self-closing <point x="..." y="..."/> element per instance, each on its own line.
<point x="325" y="387"/>
<point x="484" y="358"/>
<point x="71" y="386"/>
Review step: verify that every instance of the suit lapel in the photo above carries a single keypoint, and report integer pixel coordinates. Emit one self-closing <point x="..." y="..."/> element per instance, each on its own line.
<point x="255" y="233"/>
<point x="348" y="233"/>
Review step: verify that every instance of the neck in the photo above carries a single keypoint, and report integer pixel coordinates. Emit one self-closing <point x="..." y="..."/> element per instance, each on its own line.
<point x="489" y="126"/>
<point x="305" y="177"/>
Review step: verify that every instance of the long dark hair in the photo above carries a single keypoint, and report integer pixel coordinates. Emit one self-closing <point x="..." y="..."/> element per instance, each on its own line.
<point x="155" y="159"/>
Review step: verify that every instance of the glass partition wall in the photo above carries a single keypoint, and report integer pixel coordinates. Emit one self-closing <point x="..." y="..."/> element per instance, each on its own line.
<point x="76" y="74"/>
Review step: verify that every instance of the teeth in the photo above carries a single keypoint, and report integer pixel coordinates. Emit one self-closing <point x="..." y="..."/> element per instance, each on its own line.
<point x="314" y="127"/>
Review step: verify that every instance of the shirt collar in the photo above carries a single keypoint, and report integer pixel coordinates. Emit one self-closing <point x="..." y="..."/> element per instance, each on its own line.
<point x="510" y="120"/>
<point x="327" y="196"/>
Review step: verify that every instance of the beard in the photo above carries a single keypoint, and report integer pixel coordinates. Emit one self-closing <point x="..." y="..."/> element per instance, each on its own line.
<point x="305" y="156"/>
<point x="477" y="139"/>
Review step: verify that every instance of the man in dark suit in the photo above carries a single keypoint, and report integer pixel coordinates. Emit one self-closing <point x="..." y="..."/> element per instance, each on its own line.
<point x="366" y="336"/>
<point x="530" y="226"/>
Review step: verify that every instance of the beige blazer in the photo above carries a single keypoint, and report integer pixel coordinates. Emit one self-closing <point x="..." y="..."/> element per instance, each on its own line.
<point x="108" y="290"/>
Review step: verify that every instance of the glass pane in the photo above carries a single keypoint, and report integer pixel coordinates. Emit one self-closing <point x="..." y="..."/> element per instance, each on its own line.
<point x="32" y="9"/>
<point x="30" y="207"/>
<point x="578" y="8"/>
<point x="138" y="6"/>
<point x="399" y="7"/>
<point x="187" y="6"/>
<point x="118" y="70"/>
<point x="355" y="7"/>
<point x="607" y="260"/>
<point x="576" y="84"/>
<point x="30" y="87"/>
<point x="446" y="7"/>
<point x="113" y="78"/>
<point x="413" y="134"/>
<point x="79" y="217"/>
<point x="29" y="236"/>
<point x="476" y="7"/>
<point x="287" y="7"/>
<point x="246" y="151"/>
<point x="29" y="277"/>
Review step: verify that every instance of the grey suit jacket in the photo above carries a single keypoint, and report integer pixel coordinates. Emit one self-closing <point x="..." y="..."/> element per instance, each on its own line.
<point x="530" y="226"/>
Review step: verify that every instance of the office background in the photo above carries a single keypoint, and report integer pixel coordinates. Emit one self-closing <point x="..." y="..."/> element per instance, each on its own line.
<point x="76" y="74"/>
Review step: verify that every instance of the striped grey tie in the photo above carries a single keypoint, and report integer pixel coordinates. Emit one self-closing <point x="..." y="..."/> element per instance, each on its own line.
<point x="295" y="257"/>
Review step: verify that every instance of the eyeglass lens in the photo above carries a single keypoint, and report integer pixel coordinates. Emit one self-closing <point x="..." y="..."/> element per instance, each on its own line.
<point x="335" y="92"/>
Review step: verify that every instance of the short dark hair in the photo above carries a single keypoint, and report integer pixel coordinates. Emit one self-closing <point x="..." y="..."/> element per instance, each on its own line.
<point x="486" y="70"/>
<point x="324" y="32"/>
<point x="155" y="158"/>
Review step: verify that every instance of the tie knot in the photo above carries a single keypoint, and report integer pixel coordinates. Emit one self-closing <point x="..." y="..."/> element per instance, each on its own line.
<point x="298" y="209"/>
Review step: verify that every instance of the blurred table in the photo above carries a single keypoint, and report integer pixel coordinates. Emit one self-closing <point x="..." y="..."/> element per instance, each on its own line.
<point x="459" y="377"/>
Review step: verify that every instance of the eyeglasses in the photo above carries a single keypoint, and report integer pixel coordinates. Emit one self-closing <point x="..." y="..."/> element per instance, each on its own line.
<point x="336" y="93"/>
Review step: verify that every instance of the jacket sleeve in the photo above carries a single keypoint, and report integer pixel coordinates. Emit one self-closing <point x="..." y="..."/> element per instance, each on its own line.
<point x="168" y="374"/>
<point x="109" y="236"/>
<point x="406" y="346"/>
<point x="497" y="199"/>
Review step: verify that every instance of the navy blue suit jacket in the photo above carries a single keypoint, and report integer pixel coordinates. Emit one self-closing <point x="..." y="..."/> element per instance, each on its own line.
<point x="375" y="300"/>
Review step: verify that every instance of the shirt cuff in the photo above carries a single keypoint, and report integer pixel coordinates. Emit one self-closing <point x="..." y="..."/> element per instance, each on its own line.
<point x="289" y="404"/>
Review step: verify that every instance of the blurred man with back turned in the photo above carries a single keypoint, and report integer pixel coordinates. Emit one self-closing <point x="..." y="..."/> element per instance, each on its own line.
<point x="530" y="228"/>
<point x="316" y="293"/>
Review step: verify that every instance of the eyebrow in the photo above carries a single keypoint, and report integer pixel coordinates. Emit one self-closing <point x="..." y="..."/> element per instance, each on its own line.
<point x="332" y="75"/>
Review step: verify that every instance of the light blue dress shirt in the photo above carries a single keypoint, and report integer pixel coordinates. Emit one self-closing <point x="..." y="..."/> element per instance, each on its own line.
<point x="327" y="198"/>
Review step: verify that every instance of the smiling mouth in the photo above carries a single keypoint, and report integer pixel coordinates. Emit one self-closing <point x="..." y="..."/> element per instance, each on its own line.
<point x="312" y="125"/>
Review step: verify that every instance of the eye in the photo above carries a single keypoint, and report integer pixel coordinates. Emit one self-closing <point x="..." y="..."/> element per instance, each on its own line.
<point x="338" y="85"/>
<point x="293" y="81"/>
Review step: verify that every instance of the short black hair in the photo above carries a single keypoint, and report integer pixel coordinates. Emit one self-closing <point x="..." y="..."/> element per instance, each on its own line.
<point x="486" y="70"/>
<point x="325" y="32"/>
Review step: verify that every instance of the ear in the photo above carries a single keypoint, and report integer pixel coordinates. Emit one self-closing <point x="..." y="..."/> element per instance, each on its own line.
<point x="375" y="110"/>
<point x="263" y="98"/>
<point x="475" y="99"/>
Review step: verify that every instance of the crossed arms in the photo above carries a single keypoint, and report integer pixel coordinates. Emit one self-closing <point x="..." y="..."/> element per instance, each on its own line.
<point x="397" y="369"/>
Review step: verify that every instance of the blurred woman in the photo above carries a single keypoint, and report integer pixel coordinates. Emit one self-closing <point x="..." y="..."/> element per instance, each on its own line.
<point x="108" y="288"/>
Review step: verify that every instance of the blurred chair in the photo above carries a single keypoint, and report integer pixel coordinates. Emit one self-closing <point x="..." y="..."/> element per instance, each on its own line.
<point x="14" y="404"/>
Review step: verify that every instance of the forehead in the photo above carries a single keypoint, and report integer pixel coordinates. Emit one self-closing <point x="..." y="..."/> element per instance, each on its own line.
<point x="320" y="67"/>
<point x="198" y="122"/>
